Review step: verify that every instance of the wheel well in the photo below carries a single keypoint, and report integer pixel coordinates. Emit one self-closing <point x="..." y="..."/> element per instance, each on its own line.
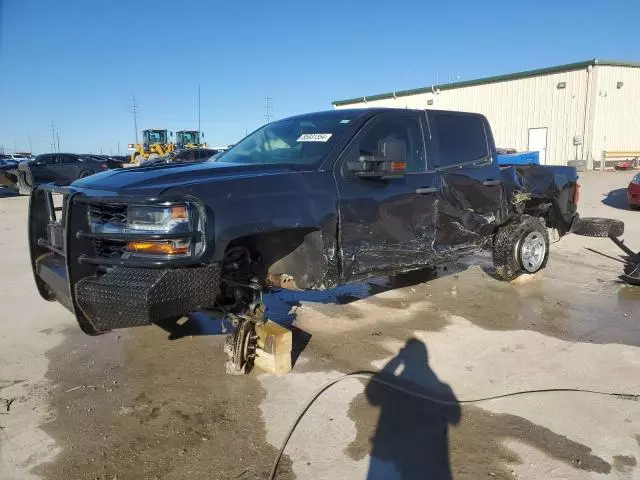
<point x="291" y="258"/>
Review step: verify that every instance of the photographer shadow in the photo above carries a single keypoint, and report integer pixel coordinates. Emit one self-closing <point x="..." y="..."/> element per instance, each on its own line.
<point x="411" y="440"/>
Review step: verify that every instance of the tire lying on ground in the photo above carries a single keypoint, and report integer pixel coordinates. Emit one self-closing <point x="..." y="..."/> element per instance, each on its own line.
<point x="25" y="179"/>
<point x="521" y="247"/>
<point x="598" y="227"/>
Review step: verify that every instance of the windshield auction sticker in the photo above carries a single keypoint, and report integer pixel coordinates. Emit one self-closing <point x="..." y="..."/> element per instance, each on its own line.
<point x="314" y="137"/>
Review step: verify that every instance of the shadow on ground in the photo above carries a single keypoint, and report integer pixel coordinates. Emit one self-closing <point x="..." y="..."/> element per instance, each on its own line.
<point x="415" y="438"/>
<point x="281" y="304"/>
<point x="617" y="199"/>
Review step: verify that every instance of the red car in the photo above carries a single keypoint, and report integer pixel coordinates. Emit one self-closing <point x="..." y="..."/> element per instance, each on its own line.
<point x="633" y="192"/>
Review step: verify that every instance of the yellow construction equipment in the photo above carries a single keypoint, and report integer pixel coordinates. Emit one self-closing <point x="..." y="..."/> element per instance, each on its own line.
<point x="155" y="143"/>
<point x="190" y="139"/>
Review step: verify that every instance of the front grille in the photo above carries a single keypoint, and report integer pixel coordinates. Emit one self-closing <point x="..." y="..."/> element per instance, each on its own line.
<point x="108" y="214"/>
<point x="108" y="217"/>
<point x="109" y="248"/>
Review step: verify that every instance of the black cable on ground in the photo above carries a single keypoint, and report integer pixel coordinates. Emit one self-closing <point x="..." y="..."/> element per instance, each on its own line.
<point x="372" y="376"/>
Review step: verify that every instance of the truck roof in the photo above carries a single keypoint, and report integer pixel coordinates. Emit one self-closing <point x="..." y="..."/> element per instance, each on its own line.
<point x="359" y="112"/>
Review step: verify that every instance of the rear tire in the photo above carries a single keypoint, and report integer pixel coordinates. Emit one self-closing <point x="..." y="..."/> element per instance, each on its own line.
<point x="520" y="248"/>
<point x="24" y="177"/>
<point x="598" y="227"/>
<point x="86" y="173"/>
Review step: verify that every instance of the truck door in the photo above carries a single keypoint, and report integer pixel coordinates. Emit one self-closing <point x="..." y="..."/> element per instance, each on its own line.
<point x="386" y="225"/>
<point x="472" y="192"/>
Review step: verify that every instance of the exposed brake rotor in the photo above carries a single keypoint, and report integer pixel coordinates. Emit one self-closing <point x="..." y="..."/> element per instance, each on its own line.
<point x="241" y="346"/>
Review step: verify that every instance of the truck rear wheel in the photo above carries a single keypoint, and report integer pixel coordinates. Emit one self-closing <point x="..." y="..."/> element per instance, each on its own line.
<point x="520" y="248"/>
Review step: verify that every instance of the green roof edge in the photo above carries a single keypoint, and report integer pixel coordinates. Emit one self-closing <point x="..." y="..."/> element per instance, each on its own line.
<point x="492" y="79"/>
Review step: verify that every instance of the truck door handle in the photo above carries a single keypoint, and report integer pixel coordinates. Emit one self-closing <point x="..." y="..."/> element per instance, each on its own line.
<point x="426" y="190"/>
<point x="490" y="183"/>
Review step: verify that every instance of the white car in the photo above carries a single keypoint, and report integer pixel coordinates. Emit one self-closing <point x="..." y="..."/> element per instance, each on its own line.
<point x="18" y="157"/>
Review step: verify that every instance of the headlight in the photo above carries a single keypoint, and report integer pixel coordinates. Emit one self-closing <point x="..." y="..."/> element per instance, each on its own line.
<point x="155" y="220"/>
<point x="158" y="219"/>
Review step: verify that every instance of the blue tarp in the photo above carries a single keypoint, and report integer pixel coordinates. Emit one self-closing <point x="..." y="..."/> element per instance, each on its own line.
<point x="521" y="158"/>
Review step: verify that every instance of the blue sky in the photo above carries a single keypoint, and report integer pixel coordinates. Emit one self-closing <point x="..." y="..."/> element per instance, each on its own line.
<point x="78" y="63"/>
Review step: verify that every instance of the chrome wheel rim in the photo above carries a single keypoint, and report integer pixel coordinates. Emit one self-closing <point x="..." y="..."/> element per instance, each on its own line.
<point x="532" y="252"/>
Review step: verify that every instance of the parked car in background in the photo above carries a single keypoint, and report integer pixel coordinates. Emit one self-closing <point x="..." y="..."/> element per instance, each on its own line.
<point x="59" y="168"/>
<point x="6" y="165"/>
<point x="6" y="161"/>
<point x="16" y="157"/>
<point x="112" y="162"/>
<point x="189" y="155"/>
<point x="633" y="192"/>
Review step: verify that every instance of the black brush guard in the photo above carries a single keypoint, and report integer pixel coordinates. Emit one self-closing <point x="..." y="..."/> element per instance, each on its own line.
<point x="112" y="292"/>
<point x="632" y="268"/>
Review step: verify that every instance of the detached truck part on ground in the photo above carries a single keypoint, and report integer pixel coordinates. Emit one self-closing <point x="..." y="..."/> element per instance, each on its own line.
<point x="308" y="202"/>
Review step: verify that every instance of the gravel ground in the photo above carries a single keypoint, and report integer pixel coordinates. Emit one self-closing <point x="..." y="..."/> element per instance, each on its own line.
<point x="153" y="403"/>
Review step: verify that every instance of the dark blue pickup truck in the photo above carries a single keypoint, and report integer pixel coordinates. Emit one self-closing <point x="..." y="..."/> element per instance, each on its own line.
<point x="308" y="202"/>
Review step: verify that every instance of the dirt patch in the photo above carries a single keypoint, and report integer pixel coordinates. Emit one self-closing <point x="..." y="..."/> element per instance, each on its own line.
<point x="133" y="405"/>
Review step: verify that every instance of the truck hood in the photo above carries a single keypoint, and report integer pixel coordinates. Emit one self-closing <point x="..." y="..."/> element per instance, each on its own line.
<point x="153" y="181"/>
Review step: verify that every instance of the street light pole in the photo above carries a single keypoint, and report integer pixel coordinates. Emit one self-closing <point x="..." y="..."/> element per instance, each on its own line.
<point x="53" y="138"/>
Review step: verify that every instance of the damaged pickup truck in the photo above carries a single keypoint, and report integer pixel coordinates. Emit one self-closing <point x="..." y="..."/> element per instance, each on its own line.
<point x="308" y="202"/>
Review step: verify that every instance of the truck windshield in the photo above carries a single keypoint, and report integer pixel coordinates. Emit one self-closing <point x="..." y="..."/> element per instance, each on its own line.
<point x="301" y="140"/>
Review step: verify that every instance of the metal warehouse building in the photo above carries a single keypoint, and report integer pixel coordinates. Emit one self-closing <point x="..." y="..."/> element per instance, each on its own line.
<point x="581" y="111"/>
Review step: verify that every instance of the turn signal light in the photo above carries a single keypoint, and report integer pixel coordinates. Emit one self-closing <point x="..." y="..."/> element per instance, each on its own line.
<point x="163" y="247"/>
<point x="179" y="213"/>
<point x="576" y="194"/>
<point x="398" y="166"/>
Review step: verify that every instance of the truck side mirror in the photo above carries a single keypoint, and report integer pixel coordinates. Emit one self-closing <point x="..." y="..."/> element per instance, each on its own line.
<point x="391" y="164"/>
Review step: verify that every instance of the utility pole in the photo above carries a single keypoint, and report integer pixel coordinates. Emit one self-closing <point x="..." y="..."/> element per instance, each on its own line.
<point x="134" y="110"/>
<point x="58" y="138"/>
<point x="268" y="109"/>
<point x="198" y="108"/>
<point x="118" y="148"/>
<point x="53" y="137"/>
<point x="30" y="146"/>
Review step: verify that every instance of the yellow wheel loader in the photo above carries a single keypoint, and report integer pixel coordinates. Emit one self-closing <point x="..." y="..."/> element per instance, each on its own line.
<point x="189" y="139"/>
<point x="155" y="143"/>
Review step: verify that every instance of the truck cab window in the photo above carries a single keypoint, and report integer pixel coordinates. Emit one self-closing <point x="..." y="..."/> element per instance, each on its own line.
<point x="461" y="139"/>
<point x="397" y="128"/>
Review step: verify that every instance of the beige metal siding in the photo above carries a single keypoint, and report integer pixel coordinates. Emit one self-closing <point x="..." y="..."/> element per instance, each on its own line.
<point x="617" y="111"/>
<point x="514" y="106"/>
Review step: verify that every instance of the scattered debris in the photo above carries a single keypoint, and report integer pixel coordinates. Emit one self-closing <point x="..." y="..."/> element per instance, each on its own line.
<point x="81" y="387"/>
<point x="6" y="404"/>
